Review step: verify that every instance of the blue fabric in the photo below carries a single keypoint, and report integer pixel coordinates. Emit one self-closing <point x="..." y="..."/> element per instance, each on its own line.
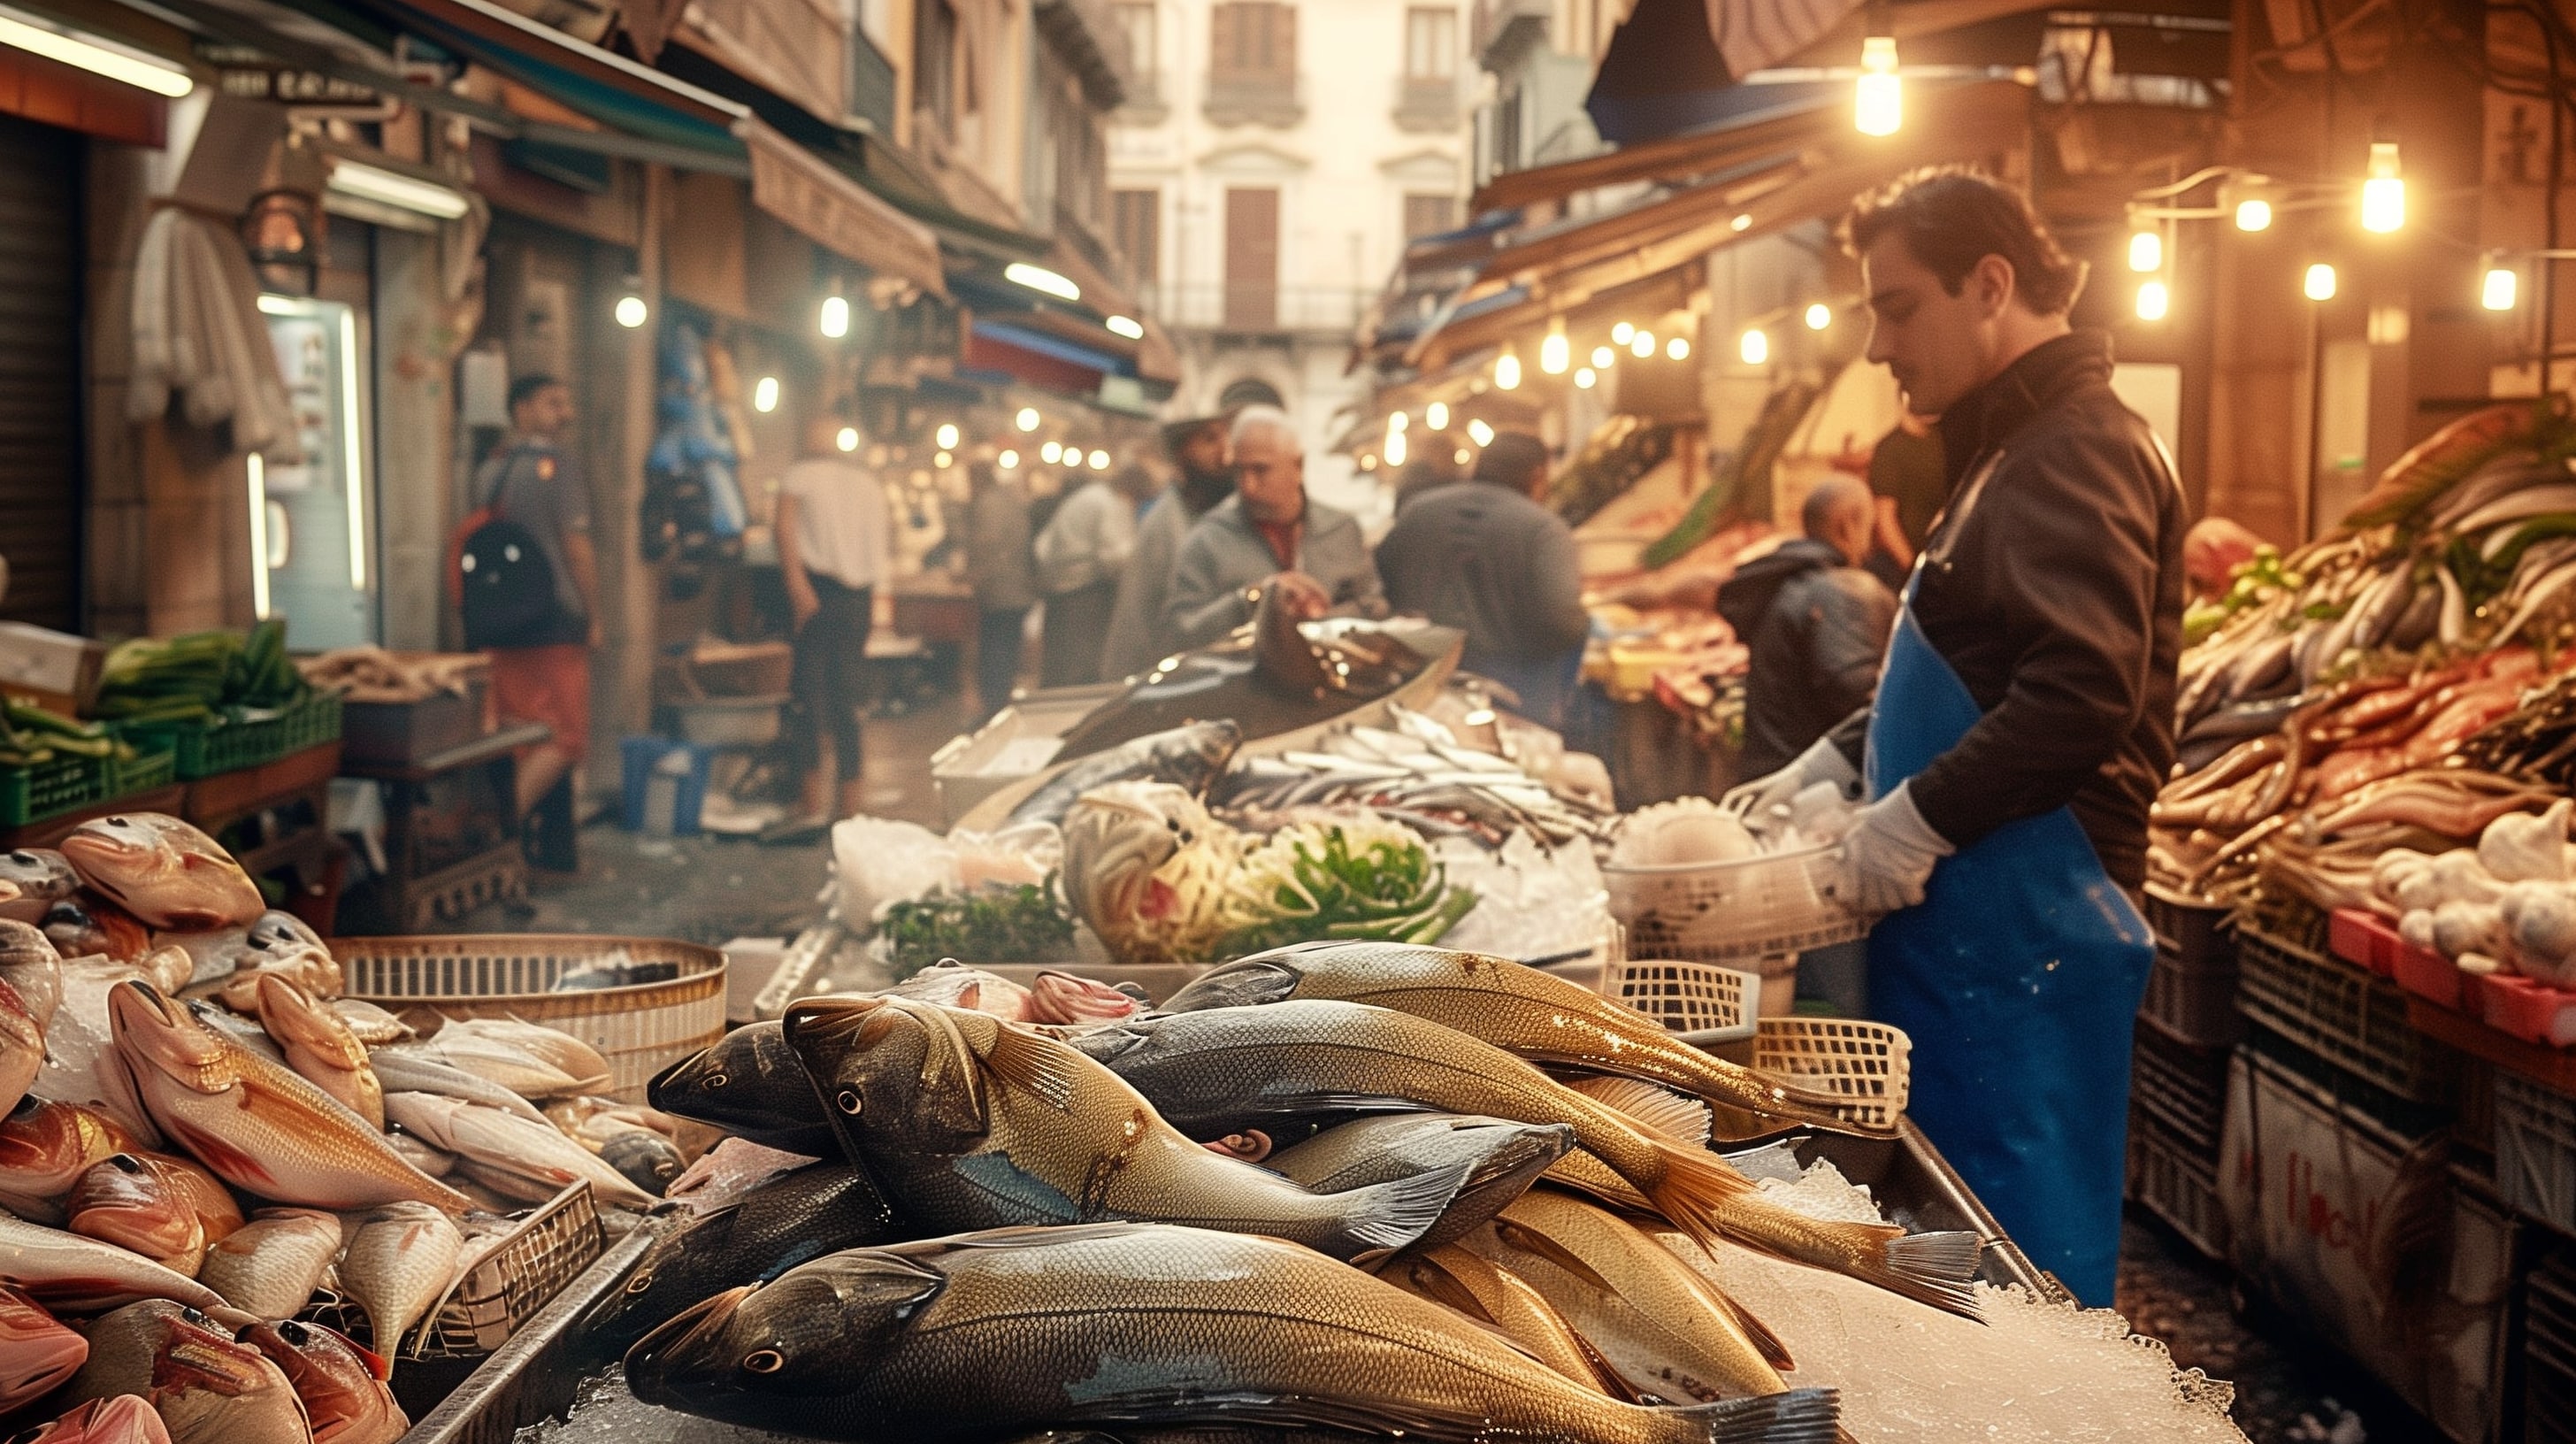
<point x="1542" y="682"/>
<point x="2018" y="979"/>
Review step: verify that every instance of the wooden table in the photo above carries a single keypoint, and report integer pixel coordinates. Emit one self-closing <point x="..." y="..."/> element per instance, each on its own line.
<point x="451" y="829"/>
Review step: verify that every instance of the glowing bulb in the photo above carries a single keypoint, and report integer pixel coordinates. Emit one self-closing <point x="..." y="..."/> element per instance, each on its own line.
<point x="1507" y="370"/>
<point x="1602" y="357"/>
<point x="943" y="461"/>
<point x="1100" y="461"/>
<point x="1742" y="222"/>
<point x="2152" y="300"/>
<point x="764" y="395"/>
<point x="1008" y="461"/>
<point x="947" y="436"/>
<point x="1585" y="377"/>
<point x="2383" y="195"/>
<point x="1395" y="448"/>
<point x="1641" y="344"/>
<point x="2253" y="215"/>
<point x="1878" y="101"/>
<point x="1027" y="420"/>
<point x="1127" y="326"/>
<point x="2321" y="282"/>
<point x="1479" y="432"/>
<point x="1051" y="453"/>
<point x="631" y="311"/>
<point x="1819" y="316"/>
<point x="2146" y="251"/>
<point x="847" y="438"/>
<point x="1620" y="333"/>
<point x="1678" y="348"/>
<point x="2498" y="292"/>
<point x="1755" y="347"/>
<point x="1555" y="353"/>
<point x="1399" y="421"/>
<point x="1435" y="415"/>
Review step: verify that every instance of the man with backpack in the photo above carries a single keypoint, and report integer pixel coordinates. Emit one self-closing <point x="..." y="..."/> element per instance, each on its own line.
<point x="529" y="578"/>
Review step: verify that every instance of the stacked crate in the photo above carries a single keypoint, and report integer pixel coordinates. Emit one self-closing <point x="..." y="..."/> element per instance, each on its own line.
<point x="2178" y="1077"/>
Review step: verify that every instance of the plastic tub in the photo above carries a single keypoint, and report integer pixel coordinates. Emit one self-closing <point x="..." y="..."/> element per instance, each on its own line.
<point x="1754" y="907"/>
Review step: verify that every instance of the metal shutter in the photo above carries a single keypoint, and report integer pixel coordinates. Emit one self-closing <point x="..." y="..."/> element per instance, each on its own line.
<point x="40" y="354"/>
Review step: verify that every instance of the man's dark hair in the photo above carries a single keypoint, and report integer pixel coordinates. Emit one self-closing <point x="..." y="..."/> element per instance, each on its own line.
<point x="528" y="386"/>
<point x="1511" y="460"/>
<point x="1950" y="218"/>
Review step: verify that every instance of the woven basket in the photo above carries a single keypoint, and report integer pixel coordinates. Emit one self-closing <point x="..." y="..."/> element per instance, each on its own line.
<point x="1864" y="1066"/>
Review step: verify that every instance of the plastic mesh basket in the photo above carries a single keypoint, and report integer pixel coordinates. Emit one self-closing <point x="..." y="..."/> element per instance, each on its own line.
<point x="1704" y="1003"/>
<point x="640" y="1028"/>
<point x="48" y="788"/>
<point x="1866" y="1067"/>
<point x="1785" y="902"/>
<point x="500" y="1294"/>
<point x="242" y="737"/>
<point x="2535" y="1149"/>
<point x="2341" y="1014"/>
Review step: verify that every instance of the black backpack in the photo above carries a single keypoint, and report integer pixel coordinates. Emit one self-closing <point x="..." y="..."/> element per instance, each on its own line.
<point x="501" y="581"/>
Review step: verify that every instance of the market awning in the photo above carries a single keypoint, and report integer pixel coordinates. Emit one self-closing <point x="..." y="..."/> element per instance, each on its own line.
<point x="836" y="212"/>
<point x="1786" y="120"/>
<point x="599" y="83"/>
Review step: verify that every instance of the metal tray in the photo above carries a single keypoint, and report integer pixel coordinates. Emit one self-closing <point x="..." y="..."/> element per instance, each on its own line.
<point x="1915" y="1186"/>
<point x="533" y="1376"/>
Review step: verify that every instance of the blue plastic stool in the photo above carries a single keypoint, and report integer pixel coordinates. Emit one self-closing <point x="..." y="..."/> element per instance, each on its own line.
<point x="637" y="758"/>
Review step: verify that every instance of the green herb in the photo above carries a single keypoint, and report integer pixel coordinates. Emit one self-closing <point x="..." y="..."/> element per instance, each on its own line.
<point x="993" y="924"/>
<point x="1385" y="889"/>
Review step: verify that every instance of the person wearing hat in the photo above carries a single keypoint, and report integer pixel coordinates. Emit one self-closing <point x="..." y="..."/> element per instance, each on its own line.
<point x="1137" y="639"/>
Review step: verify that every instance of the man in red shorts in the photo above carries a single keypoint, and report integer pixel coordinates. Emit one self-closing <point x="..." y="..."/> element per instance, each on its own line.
<point x="532" y="480"/>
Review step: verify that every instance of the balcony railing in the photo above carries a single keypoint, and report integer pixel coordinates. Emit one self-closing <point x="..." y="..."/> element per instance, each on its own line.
<point x="1425" y="103"/>
<point x="1495" y="22"/>
<point x="1256" y="307"/>
<point x="1237" y="98"/>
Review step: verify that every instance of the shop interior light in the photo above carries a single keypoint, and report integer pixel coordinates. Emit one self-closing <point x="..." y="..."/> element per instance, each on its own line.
<point x="946" y="436"/>
<point x="2320" y="284"/>
<point x="1743" y="221"/>
<point x="1462" y="456"/>
<point x="1754" y="347"/>
<point x="1403" y="421"/>
<point x="631" y="312"/>
<point x="1819" y="315"/>
<point x="1039" y="278"/>
<point x="1678" y="348"/>
<point x="93" y="53"/>
<point x="2498" y="292"/>
<point x="1585" y="377"/>
<point x="1555" y="353"/>
<point x="2253" y="215"/>
<point x="2152" y="301"/>
<point x="1395" y="448"/>
<point x="1100" y="461"/>
<point x="393" y="188"/>
<point x="847" y="438"/>
<point x="1602" y="357"/>
<point x="1479" y="433"/>
<point x="259" y="553"/>
<point x="1008" y="461"/>
<point x="2146" y="251"/>
<point x="1051" y="453"/>
<point x="2383" y="193"/>
<point x="764" y="395"/>
<point x="943" y="460"/>
<point x="1435" y="415"/>
<point x="1507" y="369"/>
<point x="1620" y="333"/>
<point x="1878" y="101"/>
<point x="1027" y="420"/>
<point x="1641" y="344"/>
<point x="835" y="317"/>
<point x="1127" y="326"/>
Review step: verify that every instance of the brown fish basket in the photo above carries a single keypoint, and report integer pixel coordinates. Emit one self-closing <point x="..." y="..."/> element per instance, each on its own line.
<point x="500" y="1294"/>
<point x="640" y="1028"/>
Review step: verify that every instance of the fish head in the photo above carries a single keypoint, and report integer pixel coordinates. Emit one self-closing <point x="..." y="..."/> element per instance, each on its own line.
<point x="336" y="1378"/>
<point x="646" y="1158"/>
<point x="124" y="1419"/>
<point x="158" y="1037"/>
<point x="281" y="932"/>
<point x="1193" y="755"/>
<point x="1263" y="978"/>
<point x="749" y="1081"/>
<point x="165" y="871"/>
<point x="894" y="1072"/>
<point x="208" y="1386"/>
<point x="89" y="925"/>
<point x="809" y="1334"/>
<point x="43" y="1138"/>
<point x="37" y="1350"/>
<point x="127" y="851"/>
<point x="1064" y="998"/>
<point x="123" y="1183"/>
<point x="297" y="1021"/>
<point x="37" y="872"/>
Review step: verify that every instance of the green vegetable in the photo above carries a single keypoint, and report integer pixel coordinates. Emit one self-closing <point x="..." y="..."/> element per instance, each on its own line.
<point x="192" y="678"/>
<point x="993" y="924"/>
<point x="1314" y="882"/>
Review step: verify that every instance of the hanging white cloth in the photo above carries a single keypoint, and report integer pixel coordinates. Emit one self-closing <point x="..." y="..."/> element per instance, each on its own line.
<point x="199" y="339"/>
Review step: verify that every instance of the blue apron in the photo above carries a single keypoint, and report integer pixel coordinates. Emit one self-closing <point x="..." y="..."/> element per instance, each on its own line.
<point x="2017" y="979"/>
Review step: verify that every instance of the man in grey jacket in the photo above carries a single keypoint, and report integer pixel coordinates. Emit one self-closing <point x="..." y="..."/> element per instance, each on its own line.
<point x="1136" y="641"/>
<point x="1269" y="534"/>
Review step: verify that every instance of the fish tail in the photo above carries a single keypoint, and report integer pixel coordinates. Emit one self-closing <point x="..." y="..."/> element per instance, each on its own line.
<point x="1801" y="1416"/>
<point x="1697" y="1190"/>
<point x="1389" y="1216"/>
<point x="1933" y="1268"/>
<point x="1929" y="1268"/>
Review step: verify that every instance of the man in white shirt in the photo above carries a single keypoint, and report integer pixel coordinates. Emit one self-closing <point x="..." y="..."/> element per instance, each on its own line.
<point x="1081" y="554"/>
<point x="835" y="537"/>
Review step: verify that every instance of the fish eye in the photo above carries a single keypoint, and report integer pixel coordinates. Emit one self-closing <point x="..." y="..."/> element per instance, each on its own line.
<point x="23" y="858"/>
<point x="190" y="1313"/>
<point x="848" y="1101"/>
<point x="643" y="1280"/>
<point x="715" y="1080"/>
<point x="126" y="1163"/>
<point x="294" y="1333"/>
<point x="764" y="1361"/>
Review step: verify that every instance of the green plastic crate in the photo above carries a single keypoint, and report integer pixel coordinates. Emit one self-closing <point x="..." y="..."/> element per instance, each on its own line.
<point x="147" y="769"/>
<point x="48" y="789"/>
<point x="241" y="739"/>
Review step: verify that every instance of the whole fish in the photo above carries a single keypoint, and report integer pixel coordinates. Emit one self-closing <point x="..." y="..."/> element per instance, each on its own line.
<point x="400" y="1258"/>
<point x="952" y="984"/>
<point x="218" y="1212"/>
<point x="271" y="1265"/>
<point x="1477" y="1289"/>
<point x="1503" y="1159"/>
<point x="124" y="1342"/>
<point x="1520" y="1009"/>
<point x="342" y="1386"/>
<point x="505" y="1064"/>
<point x="729" y="1171"/>
<point x="374" y="1026"/>
<point x="46" y="1147"/>
<point x="37" y="1351"/>
<point x="163" y="871"/>
<point x="261" y="1128"/>
<point x="216" y="954"/>
<point x="400" y="1071"/>
<point x="1190" y="756"/>
<point x="1659" y="1324"/>
<point x="308" y="966"/>
<point x="31" y="990"/>
<point x="135" y="1204"/>
<point x="212" y="1390"/>
<point x="1228" y="1069"/>
<point x="40" y="878"/>
<point x="420" y="1155"/>
<point x="80" y="1275"/>
<point x="320" y="1047"/>
<point x="750" y="1084"/>
<point x="86" y="925"/>
<point x="809" y="1213"/>
<point x="529" y="1161"/>
<point x="1065" y="999"/>
<point x="125" y="1419"/>
<point x="967" y="1122"/>
<point x="553" y="1047"/>
<point x="1134" y="1324"/>
<point x="643" y="1158"/>
<point x="81" y="1066"/>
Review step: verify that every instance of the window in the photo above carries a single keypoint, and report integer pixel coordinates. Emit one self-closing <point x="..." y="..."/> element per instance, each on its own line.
<point x="1136" y="224"/>
<point x="934" y="66"/>
<point x="1430" y="43"/>
<point x="1137" y="21"/>
<point x="1252" y="42"/>
<point x="1251" y="258"/>
<point x="1429" y="215"/>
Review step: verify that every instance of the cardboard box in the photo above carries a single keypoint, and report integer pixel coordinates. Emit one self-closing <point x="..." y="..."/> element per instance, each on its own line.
<point x="53" y="669"/>
<point x="1018" y="743"/>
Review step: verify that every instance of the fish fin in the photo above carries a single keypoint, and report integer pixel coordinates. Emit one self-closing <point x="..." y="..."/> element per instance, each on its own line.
<point x="1801" y="1416"/>
<point x="1764" y="1341"/>
<point x="1697" y="1191"/>
<point x="1588" y="1175"/>
<point x="1933" y="1268"/>
<point x="1037" y="1064"/>
<point x="1394" y="1214"/>
<point x="1605" y="1376"/>
<point x="1432" y="1279"/>
<point x="1530" y="1241"/>
<point x="1661" y="1109"/>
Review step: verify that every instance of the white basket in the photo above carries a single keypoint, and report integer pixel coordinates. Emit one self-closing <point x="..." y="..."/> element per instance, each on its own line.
<point x="1865" y="1066"/>
<point x="1785" y="902"/>
<point x="1703" y="1003"/>
<point x="729" y="721"/>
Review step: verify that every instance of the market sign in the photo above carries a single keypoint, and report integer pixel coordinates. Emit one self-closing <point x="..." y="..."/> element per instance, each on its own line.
<point x="243" y="73"/>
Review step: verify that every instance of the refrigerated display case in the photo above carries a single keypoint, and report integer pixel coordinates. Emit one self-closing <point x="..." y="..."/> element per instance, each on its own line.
<point x="313" y="518"/>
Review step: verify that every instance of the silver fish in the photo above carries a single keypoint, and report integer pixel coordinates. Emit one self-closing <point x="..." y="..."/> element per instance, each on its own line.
<point x="398" y="1261"/>
<point x="1190" y="756"/>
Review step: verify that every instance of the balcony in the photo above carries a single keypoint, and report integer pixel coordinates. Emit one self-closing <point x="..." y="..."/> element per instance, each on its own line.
<point x="1257" y="309"/>
<point x="871" y="85"/>
<point x="1145" y="104"/>
<point x="1426" y="103"/>
<point x="1499" y="30"/>
<point x="1090" y="40"/>
<point x="1254" y="98"/>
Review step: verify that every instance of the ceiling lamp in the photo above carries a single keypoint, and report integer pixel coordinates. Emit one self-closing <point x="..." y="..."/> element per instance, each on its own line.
<point x="1099" y="460"/>
<point x="1479" y="432"/>
<point x="1507" y="369"/>
<point x="1555" y="353"/>
<point x="1641" y="344"/>
<point x="2152" y="301"/>
<point x="392" y="188"/>
<point x="2146" y="251"/>
<point x="1435" y="415"/>
<point x="1878" y="101"/>
<point x="847" y="438"/>
<point x="1620" y="333"/>
<point x="1602" y="356"/>
<point x="1127" y="326"/>
<point x="1585" y="377"/>
<point x="2253" y="215"/>
<point x="1039" y="278"/>
<point x="1678" y="348"/>
<point x="1008" y="461"/>
<point x="1754" y="347"/>
<point x="2383" y="193"/>
<point x="946" y="436"/>
<point x="2320" y="284"/>
<point x="834" y="321"/>
<point x="631" y="312"/>
<point x="1051" y="453"/>
<point x="2498" y="292"/>
<point x="1819" y="316"/>
<point x="96" y="54"/>
<point x="1027" y="420"/>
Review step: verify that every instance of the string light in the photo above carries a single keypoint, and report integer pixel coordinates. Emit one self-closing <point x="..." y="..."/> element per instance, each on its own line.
<point x="2320" y="282"/>
<point x="1099" y="460"/>
<point x="2498" y="292"/>
<point x="2383" y="195"/>
<point x="2152" y="300"/>
<point x="2253" y="215"/>
<point x="1878" y="101"/>
<point x="943" y="461"/>
<point x="1754" y="347"/>
<point x="1028" y="419"/>
<point x="1507" y="370"/>
<point x="1395" y="448"/>
<point x="835" y="318"/>
<point x="1641" y="344"/>
<point x="1678" y="348"/>
<point x="1051" y="453"/>
<point x="847" y="438"/>
<point x="1555" y="353"/>
<point x="1585" y="376"/>
<point x="947" y="436"/>
<point x="764" y="395"/>
<point x="2146" y="251"/>
<point x="1620" y="333"/>
<point x="1008" y="461"/>
<point x="1480" y="433"/>
<point x="1602" y="356"/>
<point x="1819" y="316"/>
<point x="1435" y="415"/>
<point x="631" y="311"/>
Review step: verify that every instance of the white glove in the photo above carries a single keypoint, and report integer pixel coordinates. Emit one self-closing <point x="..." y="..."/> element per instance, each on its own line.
<point x="1890" y="851"/>
<point x="1822" y="762"/>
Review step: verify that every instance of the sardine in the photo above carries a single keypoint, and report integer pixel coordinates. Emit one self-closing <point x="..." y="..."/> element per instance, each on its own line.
<point x="342" y="1386"/>
<point x="261" y="1128"/>
<point x="40" y="877"/>
<point x="163" y="871"/>
<point x="134" y="1203"/>
<point x="809" y="1213"/>
<point x="125" y="1419"/>
<point x="1520" y="1009"/>
<point x="1478" y="1289"/>
<point x="750" y="1084"/>
<point x="31" y="990"/>
<point x="1132" y="1324"/>
<point x="320" y="1047"/>
<point x="271" y="1265"/>
<point x="398" y="1070"/>
<point x="37" y="1351"/>
<point x="494" y="1061"/>
<point x="399" y="1259"/>
<point x="967" y="1122"/>
<point x="1504" y="1158"/>
<point x="1228" y="1069"/>
<point x="1189" y="756"/>
<point x="76" y="1275"/>
<point x="529" y="1161"/>
<point x="552" y="1047"/>
<point x="46" y="1147"/>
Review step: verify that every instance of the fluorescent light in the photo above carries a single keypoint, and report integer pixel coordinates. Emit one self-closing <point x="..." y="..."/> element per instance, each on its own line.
<point x="1027" y="420"/>
<point x="280" y="306"/>
<point x="2383" y="195"/>
<point x="392" y="188"/>
<point x="2320" y="282"/>
<point x="764" y="395"/>
<point x="2253" y="215"/>
<point x="1039" y="278"/>
<point x="2152" y="301"/>
<point x="1754" y="347"/>
<point x="847" y="438"/>
<point x="946" y="436"/>
<point x="354" y="449"/>
<point x="2146" y="251"/>
<point x="1819" y="316"/>
<point x="258" y="535"/>
<point x="835" y="317"/>
<point x="95" y="54"/>
<point x="2498" y="292"/>
<point x="1127" y="326"/>
<point x="1878" y="101"/>
<point x="1480" y="433"/>
<point x="1435" y="415"/>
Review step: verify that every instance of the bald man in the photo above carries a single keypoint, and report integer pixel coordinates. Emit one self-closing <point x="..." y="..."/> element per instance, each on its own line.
<point x="1817" y="625"/>
<point x="1268" y="535"/>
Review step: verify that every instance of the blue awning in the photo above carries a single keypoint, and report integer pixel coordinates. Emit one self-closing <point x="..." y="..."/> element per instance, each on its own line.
<point x="1057" y="347"/>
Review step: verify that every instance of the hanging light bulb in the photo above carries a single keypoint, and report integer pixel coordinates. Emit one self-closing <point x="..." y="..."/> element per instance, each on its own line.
<point x="1435" y="415"/>
<point x="943" y="460"/>
<point x="2253" y="215"/>
<point x="764" y="395"/>
<point x="2498" y="292"/>
<point x="1585" y="377"/>
<point x="1819" y="316"/>
<point x="946" y="436"/>
<point x="1620" y="333"/>
<point x="2146" y="251"/>
<point x="1099" y="460"/>
<point x="1051" y="453"/>
<point x="1395" y="448"/>
<point x="835" y="317"/>
<point x="1678" y="348"/>
<point x="631" y="312"/>
<point x="1878" y="101"/>
<point x="1754" y="347"/>
<point x="1641" y="344"/>
<point x="847" y="438"/>
<point x="1555" y="353"/>
<point x="1008" y="461"/>
<point x="1479" y="432"/>
<point x="1602" y="356"/>
<point x="1028" y="419"/>
<point x="1507" y="370"/>
<point x="2320" y="284"/>
<point x="2152" y="300"/>
<point x="2383" y="193"/>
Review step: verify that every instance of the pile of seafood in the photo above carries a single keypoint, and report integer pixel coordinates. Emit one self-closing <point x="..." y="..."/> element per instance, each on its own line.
<point x="1357" y="1188"/>
<point x="202" y="1141"/>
